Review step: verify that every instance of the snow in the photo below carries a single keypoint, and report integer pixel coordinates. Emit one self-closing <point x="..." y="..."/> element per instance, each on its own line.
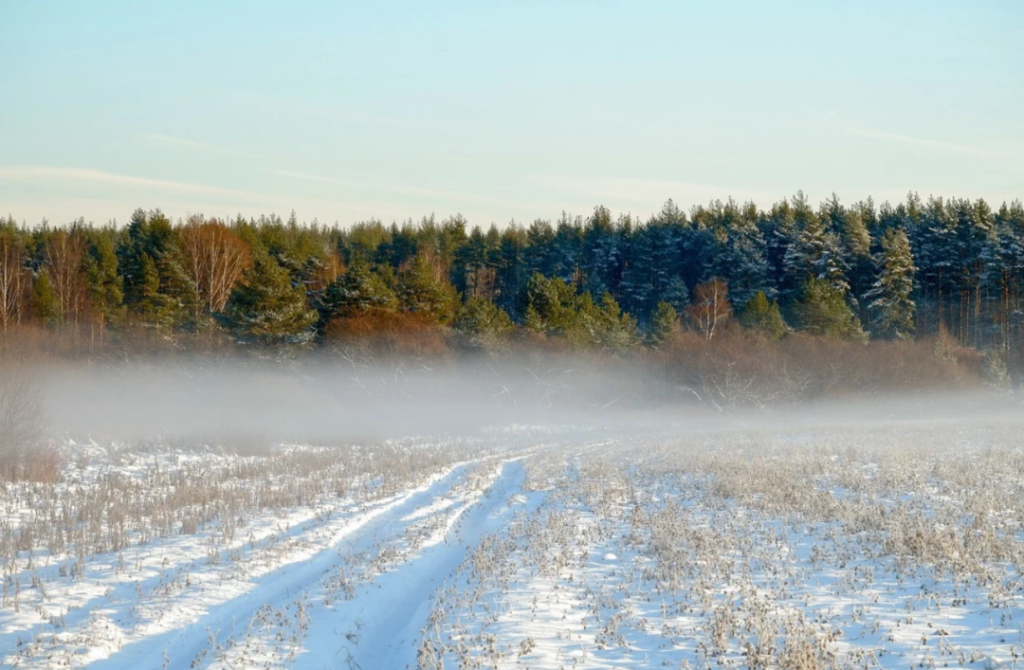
<point x="561" y="550"/>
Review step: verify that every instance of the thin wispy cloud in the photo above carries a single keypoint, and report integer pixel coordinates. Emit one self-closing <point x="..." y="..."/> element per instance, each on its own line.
<point x="199" y="146"/>
<point x="841" y="123"/>
<point x="45" y="173"/>
<point x="936" y="145"/>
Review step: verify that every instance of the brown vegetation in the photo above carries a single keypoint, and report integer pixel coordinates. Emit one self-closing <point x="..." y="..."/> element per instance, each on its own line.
<point x="380" y="333"/>
<point x="23" y="456"/>
<point x="739" y="367"/>
<point x="215" y="258"/>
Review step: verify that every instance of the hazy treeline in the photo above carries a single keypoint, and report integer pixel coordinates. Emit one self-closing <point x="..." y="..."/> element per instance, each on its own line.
<point x="849" y="272"/>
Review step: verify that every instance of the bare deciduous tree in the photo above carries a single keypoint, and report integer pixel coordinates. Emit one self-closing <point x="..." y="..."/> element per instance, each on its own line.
<point x="710" y="306"/>
<point x="12" y="282"/>
<point x="63" y="254"/>
<point x="215" y="258"/>
<point x="326" y="271"/>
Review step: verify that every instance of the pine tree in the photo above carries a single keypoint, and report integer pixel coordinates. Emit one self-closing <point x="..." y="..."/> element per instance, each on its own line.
<point x="747" y="272"/>
<point x="936" y="247"/>
<point x="533" y="321"/>
<point x="103" y="283"/>
<point x="677" y="295"/>
<point x="891" y="303"/>
<point x="850" y="227"/>
<point x="156" y="285"/>
<point x="267" y="308"/>
<point x="652" y="260"/>
<point x="155" y="308"/>
<point x="602" y="258"/>
<point x="538" y="253"/>
<point x="555" y="309"/>
<point x="778" y="227"/>
<point x="822" y="310"/>
<point x="733" y="248"/>
<point x="667" y="234"/>
<point x="638" y="278"/>
<point x="664" y="322"/>
<point x="45" y="304"/>
<point x="358" y="291"/>
<point x="469" y="273"/>
<point x="422" y="291"/>
<point x="484" y="325"/>
<point x="816" y="254"/>
<point x="551" y="306"/>
<point x="566" y="249"/>
<point x="608" y="326"/>
<point x="510" y="270"/>
<point x="1003" y="273"/>
<point x="975" y="226"/>
<point x="763" y="315"/>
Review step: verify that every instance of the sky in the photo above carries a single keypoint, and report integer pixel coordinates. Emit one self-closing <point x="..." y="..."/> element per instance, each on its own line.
<point x="500" y="111"/>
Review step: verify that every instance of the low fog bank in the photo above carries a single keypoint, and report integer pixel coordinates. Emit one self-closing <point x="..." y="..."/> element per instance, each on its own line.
<point x="326" y="401"/>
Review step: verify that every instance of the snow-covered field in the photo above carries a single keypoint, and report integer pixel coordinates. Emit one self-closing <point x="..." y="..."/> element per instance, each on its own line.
<point x="890" y="546"/>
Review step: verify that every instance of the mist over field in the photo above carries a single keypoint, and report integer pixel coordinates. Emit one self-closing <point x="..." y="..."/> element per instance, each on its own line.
<point x="326" y="401"/>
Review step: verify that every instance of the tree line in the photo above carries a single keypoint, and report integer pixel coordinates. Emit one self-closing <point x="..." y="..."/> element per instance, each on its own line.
<point x="853" y="272"/>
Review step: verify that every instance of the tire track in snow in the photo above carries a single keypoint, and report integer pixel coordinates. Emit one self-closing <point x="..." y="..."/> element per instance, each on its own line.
<point x="395" y="607"/>
<point x="119" y="597"/>
<point x="219" y="621"/>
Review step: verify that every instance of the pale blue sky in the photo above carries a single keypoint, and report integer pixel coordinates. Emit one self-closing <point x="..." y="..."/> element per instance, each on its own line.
<point x="345" y="111"/>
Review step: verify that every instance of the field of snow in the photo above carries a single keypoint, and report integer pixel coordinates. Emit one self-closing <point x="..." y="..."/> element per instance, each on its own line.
<point x="889" y="546"/>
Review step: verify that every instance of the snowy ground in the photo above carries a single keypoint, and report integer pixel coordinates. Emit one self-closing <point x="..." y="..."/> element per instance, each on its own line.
<point x="886" y="546"/>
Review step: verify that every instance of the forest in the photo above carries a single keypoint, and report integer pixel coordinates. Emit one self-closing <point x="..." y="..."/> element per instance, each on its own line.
<point x="949" y="271"/>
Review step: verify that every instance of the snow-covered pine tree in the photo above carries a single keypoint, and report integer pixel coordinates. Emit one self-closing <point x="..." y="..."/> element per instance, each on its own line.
<point x="357" y="291"/>
<point x="602" y="257"/>
<point x="849" y="225"/>
<point x="816" y="253"/>
<point x="891" y="303"/>
<point x="677" y="295"/>
<point x="1002" y="259"/>
<point x="266" y="308"/>
<point x="664" y="322"/>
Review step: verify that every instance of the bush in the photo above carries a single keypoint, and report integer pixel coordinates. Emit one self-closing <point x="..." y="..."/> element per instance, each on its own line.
<point x="741" y="367"/>
<point x="378" y="333"/>
<point x="484" y="325"/>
